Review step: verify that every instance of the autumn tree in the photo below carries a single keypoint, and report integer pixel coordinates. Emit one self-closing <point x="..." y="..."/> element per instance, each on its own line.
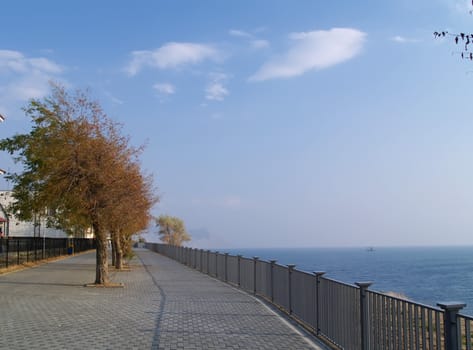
<point x="172" y="230"/>
<point x="75" y="162"/>
<point x="132" y="211"/>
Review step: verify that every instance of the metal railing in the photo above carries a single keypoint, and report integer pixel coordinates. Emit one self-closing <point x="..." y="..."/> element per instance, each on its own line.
<point x="20" y="250"/>
<point x="350" y="317"/>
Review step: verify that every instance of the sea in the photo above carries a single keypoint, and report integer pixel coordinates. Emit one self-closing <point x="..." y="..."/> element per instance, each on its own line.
<point x="426" y="275"/>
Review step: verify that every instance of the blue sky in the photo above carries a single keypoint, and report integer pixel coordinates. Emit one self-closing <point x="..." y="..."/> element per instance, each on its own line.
<point x="270" y="123"/>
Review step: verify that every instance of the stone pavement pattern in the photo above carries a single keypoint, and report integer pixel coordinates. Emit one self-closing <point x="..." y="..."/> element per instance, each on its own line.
<point x="164" y="305"/>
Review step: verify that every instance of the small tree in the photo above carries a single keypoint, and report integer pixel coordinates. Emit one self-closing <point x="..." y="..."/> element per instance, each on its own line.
<point x="172" y="230"/>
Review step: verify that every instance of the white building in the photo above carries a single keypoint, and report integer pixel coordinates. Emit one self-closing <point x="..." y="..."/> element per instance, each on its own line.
<point x="15" y="228"/>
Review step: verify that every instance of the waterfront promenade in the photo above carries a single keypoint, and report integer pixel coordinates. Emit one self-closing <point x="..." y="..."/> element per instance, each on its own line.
<point x="164" y="305"/>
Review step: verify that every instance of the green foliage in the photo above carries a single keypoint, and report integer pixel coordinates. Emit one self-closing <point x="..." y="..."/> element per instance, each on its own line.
<point x="172" y="230"/>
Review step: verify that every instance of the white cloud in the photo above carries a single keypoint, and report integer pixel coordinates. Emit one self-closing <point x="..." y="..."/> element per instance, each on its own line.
<point x="215" y="90"/>
<point x="164" y="88"/>
<point x="16" y="62"/>
<point x="254" y="42"/>
<point x="171" y="55"/>
<point x="23" y="78"/>
<point x="403" y="40"/>
<point x="239" y="33"/>
<point x="313" y="50"/>
<point x="259" y="44"/>
<point x="114" y="99"/>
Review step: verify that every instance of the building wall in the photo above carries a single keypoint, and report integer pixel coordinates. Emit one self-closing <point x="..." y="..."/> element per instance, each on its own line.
<point x="25" y="228"/>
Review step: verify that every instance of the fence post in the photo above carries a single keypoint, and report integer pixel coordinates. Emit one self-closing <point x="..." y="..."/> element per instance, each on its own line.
<point x="216" y="264"/>
<point x="238" y="270"/>
<point x="255" y="261"/>
<point x="201" y="258"/>
<point x="289" y="279"/>
<point x="450" y="324"/>
<point x="18" y="251"/>
<point x="271" y="274"/>
<point x="226" y="267"/>
<point x="317" y="274"/>
<point x="364" y="315"/>
<point x="8" y="249"/>
<point x="208" y="262"/>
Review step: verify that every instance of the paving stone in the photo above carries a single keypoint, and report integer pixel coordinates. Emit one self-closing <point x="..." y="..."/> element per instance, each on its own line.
<point x="164" y="305"/>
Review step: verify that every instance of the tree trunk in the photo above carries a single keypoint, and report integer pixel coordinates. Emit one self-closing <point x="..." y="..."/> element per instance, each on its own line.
<point x="119" y="253"/>
<point x="114" y="248"/>
<point x="101" y="270"/>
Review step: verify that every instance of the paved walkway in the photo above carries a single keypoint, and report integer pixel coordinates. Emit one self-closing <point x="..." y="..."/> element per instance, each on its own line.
<point x="164" y="305"/>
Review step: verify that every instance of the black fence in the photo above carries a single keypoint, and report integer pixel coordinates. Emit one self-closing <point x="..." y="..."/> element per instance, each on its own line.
<point x="20" y="250"/>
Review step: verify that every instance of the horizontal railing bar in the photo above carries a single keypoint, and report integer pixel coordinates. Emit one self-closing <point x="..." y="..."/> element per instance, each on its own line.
<point x="339" y="282"/>
<point x="433" y="308"/>
<point x="466" y="317"/>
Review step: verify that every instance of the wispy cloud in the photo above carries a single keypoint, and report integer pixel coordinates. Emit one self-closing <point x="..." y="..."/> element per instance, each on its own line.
<point x="253" y="41"/>
<point x="23" y="77"/>
<point x="215" y="90"/>
<point x="239" y="33"/>
<point x="403" y="40"/>
<point x="16" y="62"/>
<point x="171" y="55"/>
<point x="311" y="51"/>
<point x="164" y="88"/>
<point x="114" y="99"/>
<point x="259" y="44"/>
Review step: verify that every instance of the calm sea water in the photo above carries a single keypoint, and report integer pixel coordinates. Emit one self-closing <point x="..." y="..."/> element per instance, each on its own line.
<point x="424" y="274"/>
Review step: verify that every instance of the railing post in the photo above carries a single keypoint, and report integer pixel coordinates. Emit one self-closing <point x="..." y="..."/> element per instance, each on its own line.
<point x="208" y="262"/>
<point x="226" y="267"/>
<point x="238" y="270"/>
<point x="317" y="274"/>
<point x="271" y="274"/>
<point x="451" y="328"/>
<point x="216" y="264"/>
<point x="255" y="261"/>
<point x="364" y="315"/>
<point x="289" y="282"/>
<point x="201" y="259"/>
